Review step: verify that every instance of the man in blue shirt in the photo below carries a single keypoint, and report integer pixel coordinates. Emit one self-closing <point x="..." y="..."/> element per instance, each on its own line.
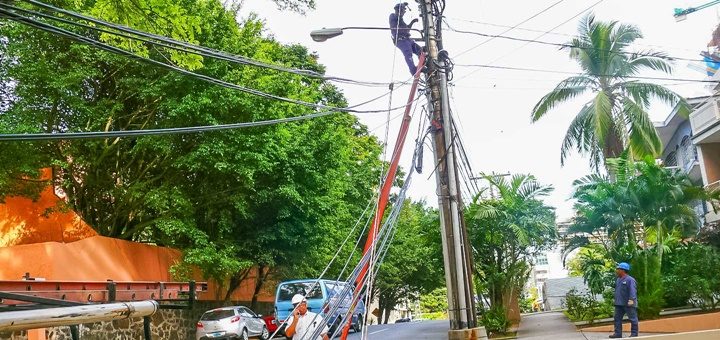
<point x="625" y="300"/>
<point x="400" y="32"/>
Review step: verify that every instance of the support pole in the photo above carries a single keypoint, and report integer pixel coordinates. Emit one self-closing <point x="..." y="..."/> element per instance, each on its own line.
<point x="66" y="316"/>
<point x="74" y="332"/>
<point x="146" y="327"/>
<point x="458" y="274"/>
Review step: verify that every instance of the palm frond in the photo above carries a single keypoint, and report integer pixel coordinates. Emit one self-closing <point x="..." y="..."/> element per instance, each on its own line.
<point x="564" y="91"/>
<point x="643" y="138"/>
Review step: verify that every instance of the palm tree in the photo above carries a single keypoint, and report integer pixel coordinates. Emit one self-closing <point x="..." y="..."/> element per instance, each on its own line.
<point x="506" y="232"/>
<point x="637" y="215"/>
<point x="616" y="117"/>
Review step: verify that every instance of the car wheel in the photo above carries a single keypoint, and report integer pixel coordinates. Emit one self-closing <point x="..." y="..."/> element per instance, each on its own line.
<point x="244" y="335"/>
<point x="265" y="334"/>
<point x="358" y="325"/>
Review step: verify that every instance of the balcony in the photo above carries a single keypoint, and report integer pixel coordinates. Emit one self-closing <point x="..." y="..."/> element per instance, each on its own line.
<point x="705" y="122"/>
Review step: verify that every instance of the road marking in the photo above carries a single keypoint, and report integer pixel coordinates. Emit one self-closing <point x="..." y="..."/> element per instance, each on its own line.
<point x="376" y="332"/>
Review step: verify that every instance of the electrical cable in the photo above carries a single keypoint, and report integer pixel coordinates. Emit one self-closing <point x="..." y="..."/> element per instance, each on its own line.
<point x="538" y="37"/>
<point x="112" y="49"/>
<point x="664" y="47"/>
<point x="526" y="69"/>
<point x="511" y="28"/>
<point x="567" y="45"/>
<point x="130" y="33"/>
<point x="337" y="253"/>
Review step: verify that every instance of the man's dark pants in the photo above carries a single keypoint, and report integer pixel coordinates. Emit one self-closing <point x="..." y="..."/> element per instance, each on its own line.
<point x="408" y="48"/>
<point x="631" y="312"/>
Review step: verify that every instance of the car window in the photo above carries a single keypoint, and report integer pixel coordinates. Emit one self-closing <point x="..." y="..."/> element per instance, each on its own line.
<point x="247" y="312"/>
<point x="287" y="290"/>
<point x="215" y="315"/>
<point x="337" y="289"/>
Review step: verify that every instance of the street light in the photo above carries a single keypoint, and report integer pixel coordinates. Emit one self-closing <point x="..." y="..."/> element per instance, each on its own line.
<point x="328" y="33"/>
<point x="325" y="34"/>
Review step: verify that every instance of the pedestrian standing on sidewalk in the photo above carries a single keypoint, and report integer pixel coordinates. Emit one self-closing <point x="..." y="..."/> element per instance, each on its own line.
<point x="400" y="32"/>
<point x="625" y="300"/>
<point x="302" y="324"/>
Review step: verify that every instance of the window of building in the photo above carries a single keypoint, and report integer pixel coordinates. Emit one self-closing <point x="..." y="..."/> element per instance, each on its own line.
<point x="671" y="159"/>
<point x="541" y="260"/>
<point x="688" y="154"/>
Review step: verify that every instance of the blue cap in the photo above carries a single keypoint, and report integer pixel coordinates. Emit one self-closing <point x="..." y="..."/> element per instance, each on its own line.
<point x="624" y="266"/>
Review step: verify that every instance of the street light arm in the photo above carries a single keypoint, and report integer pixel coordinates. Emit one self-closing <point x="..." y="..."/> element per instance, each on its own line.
<point x="328" y="33"/>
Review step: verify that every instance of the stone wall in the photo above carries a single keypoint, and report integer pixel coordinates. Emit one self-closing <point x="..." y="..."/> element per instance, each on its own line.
<point x="167" y="324"/>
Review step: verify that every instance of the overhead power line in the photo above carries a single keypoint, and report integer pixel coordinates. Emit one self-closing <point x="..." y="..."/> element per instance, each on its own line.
<point x="580" y="73"/>
<point x="538" y="37"/>
<point x="166" y="42"/>
<point x="112" y="49"/>
<point x="153" y="132"/>
<point x="512" y="27"/>
<point x="568" y="45"/>
<point x="665" y="47"/>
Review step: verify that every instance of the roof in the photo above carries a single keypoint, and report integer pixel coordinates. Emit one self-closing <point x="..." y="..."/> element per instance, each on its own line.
<point x="666" y="129"/>
<point x="560" y="287"/>
<point x="310" y="280"/>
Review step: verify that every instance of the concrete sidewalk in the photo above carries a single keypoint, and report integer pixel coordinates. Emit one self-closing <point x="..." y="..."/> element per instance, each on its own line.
<point x="554" y="325"/>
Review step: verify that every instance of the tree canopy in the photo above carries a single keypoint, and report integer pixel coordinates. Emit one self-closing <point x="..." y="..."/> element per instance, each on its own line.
<point x="257" y="197"/>
<point x="616" y="118"/>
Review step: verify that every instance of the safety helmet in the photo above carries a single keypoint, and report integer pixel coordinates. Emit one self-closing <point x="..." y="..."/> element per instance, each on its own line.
<point x="624" y="266"/>
<point x="298" y="298"/>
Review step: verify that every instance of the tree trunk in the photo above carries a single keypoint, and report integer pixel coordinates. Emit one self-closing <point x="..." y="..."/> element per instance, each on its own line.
<point x="386" y="315"/>
<point x="262" y="275"/>
<point x="234" y="283"/>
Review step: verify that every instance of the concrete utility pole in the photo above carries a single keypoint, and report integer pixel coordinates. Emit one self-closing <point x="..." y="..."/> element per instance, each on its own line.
<point x="456" y="248"/>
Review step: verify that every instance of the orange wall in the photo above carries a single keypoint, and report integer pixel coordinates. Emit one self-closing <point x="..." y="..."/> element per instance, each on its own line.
<point x="61" y="246"/>
<point x="24" y="221"/>
<point x="100" y="258"/>
<point x="95" y="258"/>
<point x="710" y="152"/>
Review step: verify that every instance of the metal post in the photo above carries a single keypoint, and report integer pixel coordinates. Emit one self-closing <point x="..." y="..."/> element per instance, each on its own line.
<point x="191" y="295"/>
<point x="74" y="332"/>
<point x="461" y="302"/>
<point x="146" y="327"/>
<point x="112" y="291"/>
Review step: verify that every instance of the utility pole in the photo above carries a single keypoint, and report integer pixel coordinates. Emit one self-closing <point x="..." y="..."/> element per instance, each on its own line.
<point x="456" y="248"/>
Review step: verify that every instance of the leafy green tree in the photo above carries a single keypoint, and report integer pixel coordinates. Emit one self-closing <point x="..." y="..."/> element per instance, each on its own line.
<point x="413" y="264"/>
<point x="616" y="117"/>
<point x="272" y="198"/>
<point x="434" y="305"/>
<point x="636" y="218"/>
<point x="593" y="265"/>
<point x="506" y="233"/>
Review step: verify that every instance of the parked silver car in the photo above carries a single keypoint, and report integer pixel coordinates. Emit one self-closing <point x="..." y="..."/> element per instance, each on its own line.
<point x="235" y="322"/>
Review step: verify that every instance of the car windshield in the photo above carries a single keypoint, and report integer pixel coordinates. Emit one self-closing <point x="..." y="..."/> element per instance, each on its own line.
<point x="215" y="315"/>
<point x="337" y="289"/>
<point x="287" y="290"/>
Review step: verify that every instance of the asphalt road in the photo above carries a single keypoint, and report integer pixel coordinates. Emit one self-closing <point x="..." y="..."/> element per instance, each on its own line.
<point x="411" y="330"/>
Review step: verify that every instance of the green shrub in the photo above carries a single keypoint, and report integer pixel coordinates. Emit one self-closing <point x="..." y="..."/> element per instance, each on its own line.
<point x="646" y="271"/>
<point x="585" y="307"/>
<point x="688" y="280"/>
<point x="495" y="320"/>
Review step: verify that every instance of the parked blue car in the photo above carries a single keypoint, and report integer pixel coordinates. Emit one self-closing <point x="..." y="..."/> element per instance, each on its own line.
<point x="324" y="294"/>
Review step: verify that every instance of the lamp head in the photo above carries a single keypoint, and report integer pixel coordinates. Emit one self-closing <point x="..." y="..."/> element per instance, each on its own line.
<point x="325" y="34"/>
